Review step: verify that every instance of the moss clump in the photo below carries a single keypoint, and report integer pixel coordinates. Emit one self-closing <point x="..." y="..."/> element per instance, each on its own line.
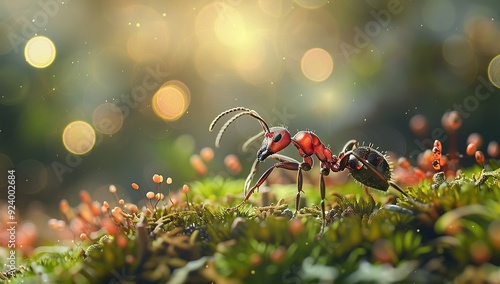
<point x="455" y="239"/>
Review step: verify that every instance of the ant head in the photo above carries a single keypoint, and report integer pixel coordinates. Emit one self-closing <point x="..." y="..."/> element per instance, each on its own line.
<point x="277" y="139"/>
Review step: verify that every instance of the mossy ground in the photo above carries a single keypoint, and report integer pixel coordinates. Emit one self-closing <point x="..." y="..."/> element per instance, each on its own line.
<point x="369" y="239"/>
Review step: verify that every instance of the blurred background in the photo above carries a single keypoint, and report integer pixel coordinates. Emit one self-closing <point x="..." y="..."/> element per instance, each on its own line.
<point x="94" y="93"/>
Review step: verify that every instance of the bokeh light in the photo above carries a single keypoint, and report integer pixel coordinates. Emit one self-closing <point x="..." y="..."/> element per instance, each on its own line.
<point x="457" y="51"/>
<point x="171" y="100"/>
<point x="256" y="62"/>
<point x="79" y="137"/>
<point x="107" y="118"/>
<point x="148" y="42"/>
<point x="483" y="34"/>
<point x="311" y="4"/>
<point x="494" y="71"/>
<point x="317" y="64"/>
<point x="439" y="15"/>
<point x="230" y="27"/>
<point x="5" y="163"/>
<point x="40" y="52"/>
<point x="304" y="29"/>
<point x="210" y="61"/>
<point x="275" y="8"/>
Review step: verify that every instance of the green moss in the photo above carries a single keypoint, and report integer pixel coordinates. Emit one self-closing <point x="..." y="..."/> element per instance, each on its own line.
<point x="365" y="240"/>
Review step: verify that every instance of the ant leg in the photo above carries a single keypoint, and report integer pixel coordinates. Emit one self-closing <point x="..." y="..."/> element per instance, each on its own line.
<point x="250" y="176"/>
<point x="284" y="165"/>
<point x="324" y="172"/>
<point x="413" y="201"/>
<point x="367" y="192"/>
<point x="302" y="166"/>
<point x="281" y="158"/>
<point x="349" y="145"/>
<point x="299" y="190"/>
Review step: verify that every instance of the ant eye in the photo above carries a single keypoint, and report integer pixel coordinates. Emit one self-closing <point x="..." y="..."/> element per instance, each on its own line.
<point x="277" y="138"/>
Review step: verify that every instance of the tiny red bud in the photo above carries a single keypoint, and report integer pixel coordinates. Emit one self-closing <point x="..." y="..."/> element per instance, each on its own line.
<point x="85" y="196"/>
<point x="475" y="138"/>
<point x="159" y="196"/>
<point x="471" y="149"/>
<point x="480" y="158"/>
<point x="207" y="154"/>
<point x="64" y="206"/>
<point x="404" y="163"/>
<point x="295" y="227"/>
<point x="150" y="195"/>
<point x="278" y="255"/>
<point x="493" y="149"/>
<point x="198" y="165"/>
<point x="418" y="125"/>
<point x="83" y="236"/>
<point x="157" y="178"/>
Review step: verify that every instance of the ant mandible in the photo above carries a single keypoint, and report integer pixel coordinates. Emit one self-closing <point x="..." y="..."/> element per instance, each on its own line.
<point x="365" y="164"/>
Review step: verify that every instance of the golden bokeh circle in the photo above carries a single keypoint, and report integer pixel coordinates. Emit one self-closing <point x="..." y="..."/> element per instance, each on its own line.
<point x="107" y="118"/>
<point x="317" y="64"/>
<point x="171" y="101"/>
<point x="40" y="52"/>
<point x="494" y="71"/>
<point x="79" y="137"/>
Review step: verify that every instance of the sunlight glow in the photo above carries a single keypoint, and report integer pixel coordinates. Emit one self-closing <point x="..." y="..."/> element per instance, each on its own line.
<point x="171" y="100"/>
<point x="79" y="137"/>
<point x="107" y="118"/>
<point x="494" y="71"/>
<point x="40" y="52"/>
<point x="317" y="64"/>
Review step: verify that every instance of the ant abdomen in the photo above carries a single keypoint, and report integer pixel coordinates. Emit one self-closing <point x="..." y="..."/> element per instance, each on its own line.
<point x="366" y="176"/>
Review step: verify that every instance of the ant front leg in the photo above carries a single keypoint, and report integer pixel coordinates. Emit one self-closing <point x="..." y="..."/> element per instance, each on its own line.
<point x="250" y="176"/>
<point x="285" y="163"/>
<point x="324" y="172"/>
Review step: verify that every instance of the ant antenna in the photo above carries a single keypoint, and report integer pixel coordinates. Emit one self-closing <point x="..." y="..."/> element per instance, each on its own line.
<point x="246" y="111"/>
<point x="251" y="140"/>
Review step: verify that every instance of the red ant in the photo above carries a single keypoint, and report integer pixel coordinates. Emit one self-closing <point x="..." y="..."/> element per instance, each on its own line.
<point x="365" y="164"/>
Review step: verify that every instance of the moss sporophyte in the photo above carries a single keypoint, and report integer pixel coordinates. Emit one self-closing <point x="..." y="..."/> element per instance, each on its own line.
<point x="444" y="228"/>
